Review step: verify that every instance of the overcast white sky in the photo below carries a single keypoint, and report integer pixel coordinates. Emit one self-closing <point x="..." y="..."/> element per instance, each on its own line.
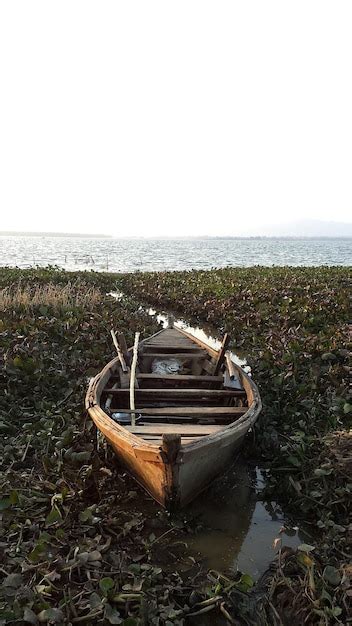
<point x="188" y="117"/>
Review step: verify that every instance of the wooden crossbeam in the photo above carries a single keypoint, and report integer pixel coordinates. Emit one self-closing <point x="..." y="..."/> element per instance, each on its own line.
<point x="191" y="430"/>
<point x="190" y="410"/>
<point x="179" y="355"/>
<point x="194" y="393"/>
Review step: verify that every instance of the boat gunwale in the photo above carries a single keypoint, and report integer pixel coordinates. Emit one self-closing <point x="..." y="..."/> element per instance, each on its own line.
<point x="92" y="404"/>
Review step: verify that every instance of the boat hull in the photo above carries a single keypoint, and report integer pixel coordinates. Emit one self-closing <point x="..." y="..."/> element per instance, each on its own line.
<point x="173" y="476"/>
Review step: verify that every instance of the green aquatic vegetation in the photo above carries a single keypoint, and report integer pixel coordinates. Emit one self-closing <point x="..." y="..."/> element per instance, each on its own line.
<point x="71" y="518"/>
<point x="293" y="325"/>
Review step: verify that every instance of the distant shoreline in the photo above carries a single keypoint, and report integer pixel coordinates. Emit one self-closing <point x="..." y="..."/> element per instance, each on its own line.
<point x="167" y="238"/>
<point x="9" y="233"/>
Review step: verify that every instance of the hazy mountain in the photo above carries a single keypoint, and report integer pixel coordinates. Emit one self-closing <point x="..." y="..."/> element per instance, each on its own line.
<point x="303" y="228"/>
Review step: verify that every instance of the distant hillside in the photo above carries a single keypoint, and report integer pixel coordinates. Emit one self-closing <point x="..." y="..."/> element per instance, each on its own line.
<point x="13" y="233"/>
<point x="303" y="228"/>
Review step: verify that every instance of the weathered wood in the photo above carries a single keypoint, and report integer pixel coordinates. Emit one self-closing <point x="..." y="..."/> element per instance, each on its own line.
<point x="123" y="346"/>
<point x="199" y="459"/>
<point x="190" y="410"/>
<point x="181" y="378"/>
<point x="133" y="376"/>
<point x="221" y="354"/>
<point x="208" y="366"/>
<point x="196" y="430"/>
<point x="195" y="393"/>
<point x="230" y="367"/>
<point x="119" y="352"/>
<point x="169" y="350"/>
<point x="157" y="439"/>
<point x="199" y="354"/>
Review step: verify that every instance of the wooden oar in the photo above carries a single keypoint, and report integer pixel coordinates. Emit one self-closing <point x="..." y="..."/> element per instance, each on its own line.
<point x="133" y="377"/>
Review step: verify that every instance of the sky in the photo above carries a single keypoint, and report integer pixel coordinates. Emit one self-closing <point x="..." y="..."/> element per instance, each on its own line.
<point x="174" y="118"/>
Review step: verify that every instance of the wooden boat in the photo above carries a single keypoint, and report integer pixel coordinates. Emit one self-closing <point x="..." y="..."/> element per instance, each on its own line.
<point x="186" y="425"/>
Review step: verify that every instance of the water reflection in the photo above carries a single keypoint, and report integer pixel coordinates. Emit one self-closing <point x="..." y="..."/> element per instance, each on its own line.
<point x="235" y="529"/>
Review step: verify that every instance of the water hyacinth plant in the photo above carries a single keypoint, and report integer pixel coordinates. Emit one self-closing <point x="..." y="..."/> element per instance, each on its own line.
<point x="77" y="546"/>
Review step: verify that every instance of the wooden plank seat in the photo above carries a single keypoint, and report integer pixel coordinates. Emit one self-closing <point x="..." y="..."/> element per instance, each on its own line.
<point x="169" y="350"/>
<point x="146" y="379"/>
<point x="189" y="430"/>
<point x="177" y="419"/>
<point x="196" y="354"/>
<point x="157" y="440"/>
<point x="202" y="411"/>
<point x="181" y="377"/>
<point x="176" y="393"/>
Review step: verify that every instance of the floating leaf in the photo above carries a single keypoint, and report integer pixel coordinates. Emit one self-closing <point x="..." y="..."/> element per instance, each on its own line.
<point x="106" y="584"/>
<point x="112" y="615"/>
<point x="332" y="575"/>
<point x="306" y="547"/>
<point x="94" y="600"/>
<point x="29" y="616"/>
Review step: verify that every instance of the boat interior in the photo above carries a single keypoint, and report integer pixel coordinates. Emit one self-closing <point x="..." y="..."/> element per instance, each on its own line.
<point x="182" y="387"/>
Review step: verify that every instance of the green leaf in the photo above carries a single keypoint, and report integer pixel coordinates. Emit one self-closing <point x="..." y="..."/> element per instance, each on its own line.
<point x="29" y="616"/>
<point x="347" y="408"/>
<point x="36" y="554"/>
<point x="112" y="615"/>
<point x="5" y="503"/>
<point x="12" y="499"/>
<point x="51" y="615"/>
<point x="87" y="514"/>
<point x="306" y="547"/>
<point x="247" y="580"/>
<point x="94" y="600"/>
<point x="293" y="460"/>
<point x="53" y="517"/>
<point x="322" y="472"/>
<point x="329" y="357"/>
<point x="13" y="580"/>
<point x="332" y="575"/>
<point x="106" y="584"/>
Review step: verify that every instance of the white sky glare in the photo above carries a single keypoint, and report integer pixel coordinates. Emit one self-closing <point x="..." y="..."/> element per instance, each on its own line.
<point x="176" y="118"/>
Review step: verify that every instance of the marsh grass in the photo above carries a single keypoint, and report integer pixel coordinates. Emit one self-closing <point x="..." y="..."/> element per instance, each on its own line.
<point x="55" y="297"/>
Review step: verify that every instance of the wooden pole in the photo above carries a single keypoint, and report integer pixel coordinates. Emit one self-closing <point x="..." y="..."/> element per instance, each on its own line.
<point x="119" y="352"/>
<point x="133" y="377"/>
<point x="123" y="346"/>
<point x="221" y="354"/>
<point x="230" y="367"/>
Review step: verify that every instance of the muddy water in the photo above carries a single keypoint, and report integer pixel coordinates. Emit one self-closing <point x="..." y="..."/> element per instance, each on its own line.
<point x="231" y="527"/>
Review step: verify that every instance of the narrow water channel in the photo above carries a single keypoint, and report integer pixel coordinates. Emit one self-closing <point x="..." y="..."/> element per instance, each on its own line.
<point x="232" y="526"/>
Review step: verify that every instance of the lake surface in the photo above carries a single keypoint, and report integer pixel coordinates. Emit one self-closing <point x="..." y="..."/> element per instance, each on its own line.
<point x="128" y="255"/>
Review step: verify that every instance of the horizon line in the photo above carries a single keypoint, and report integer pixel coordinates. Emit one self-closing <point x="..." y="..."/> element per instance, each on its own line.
<point x="8" y="233"/>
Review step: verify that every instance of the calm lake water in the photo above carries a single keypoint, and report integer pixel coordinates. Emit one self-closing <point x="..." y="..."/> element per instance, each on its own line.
<point x="128" y="255"/>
